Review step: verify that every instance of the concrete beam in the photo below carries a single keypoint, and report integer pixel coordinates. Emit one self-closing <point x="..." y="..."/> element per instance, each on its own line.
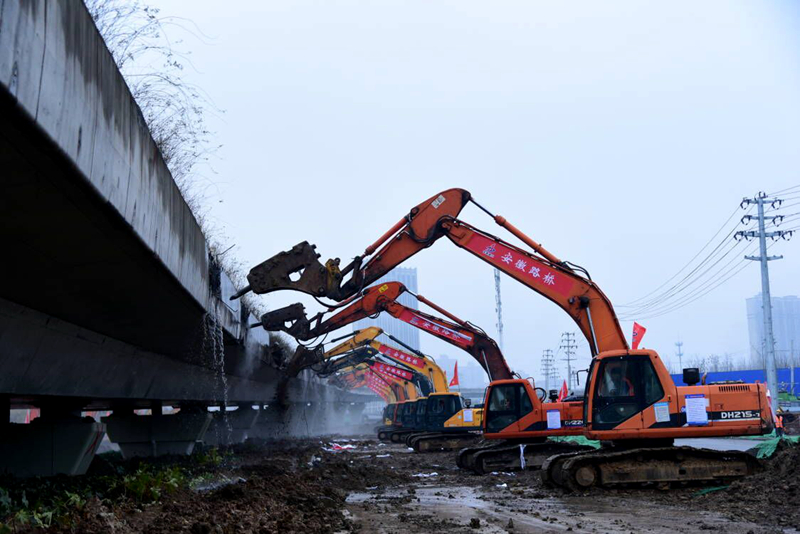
<point x="230" y="427"/>
<point x="41" y="355"/>
<point x="49" y="446"/>
<point x="157" y="435"/>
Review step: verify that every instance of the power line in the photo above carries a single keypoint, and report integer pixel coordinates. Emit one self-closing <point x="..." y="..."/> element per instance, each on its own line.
<point x="689" y="262"/>
<point x="773" y="193"/>
<point x="689" y="279"/>
<point x="712" y="271"/>
<point x="705" y="290"/>
<point x="670" y="301"/>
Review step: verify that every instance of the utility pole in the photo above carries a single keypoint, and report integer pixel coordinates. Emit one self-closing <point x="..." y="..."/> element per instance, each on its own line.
<point x="568" y="345"/>
<point x="548" y="368"/>
<point x="766" y="301"/>
<point x="679" y="344"/>
<point x="791" y="364"/>
<point x="498" y="308"/>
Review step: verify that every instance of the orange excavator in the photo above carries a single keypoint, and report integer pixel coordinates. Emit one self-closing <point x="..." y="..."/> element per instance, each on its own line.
<point x="516" y="411"/>
<point x="640" y="420"/>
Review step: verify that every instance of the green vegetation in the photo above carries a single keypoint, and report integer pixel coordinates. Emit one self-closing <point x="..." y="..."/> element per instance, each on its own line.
<point x="46" y="502"/>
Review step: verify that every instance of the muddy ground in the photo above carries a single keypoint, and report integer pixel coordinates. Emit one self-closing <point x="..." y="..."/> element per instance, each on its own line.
<point x="300" y="486"/>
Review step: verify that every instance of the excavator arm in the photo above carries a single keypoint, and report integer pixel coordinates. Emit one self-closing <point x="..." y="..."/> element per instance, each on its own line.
<point x="372" y="358"/>
<point x="568" y="286"/>
<point x="418" y="361"/>
<point x="416" y="231"/>
<point x="361" y="376"/>
<point x="383" y="298"/>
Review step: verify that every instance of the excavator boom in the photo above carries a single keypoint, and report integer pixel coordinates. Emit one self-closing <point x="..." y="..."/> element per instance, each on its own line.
<point x="383" y="298"/>
<point x="416" y="231"/>
<point x="537" y="268"/>
<point x="419" y="362"/>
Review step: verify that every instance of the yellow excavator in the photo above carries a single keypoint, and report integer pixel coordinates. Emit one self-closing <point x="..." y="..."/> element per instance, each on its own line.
<point x="401" y="411"/>
<point x="440" y="420"/>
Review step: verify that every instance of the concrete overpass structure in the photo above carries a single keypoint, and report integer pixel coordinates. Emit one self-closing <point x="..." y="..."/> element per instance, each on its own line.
<point x="109" y="298"/>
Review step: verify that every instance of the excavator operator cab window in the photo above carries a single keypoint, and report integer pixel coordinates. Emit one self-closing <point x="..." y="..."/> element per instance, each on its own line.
<point x="508" y="403"/>
<point x="444" y="405"/>
<point x="399" y="414"/>
<point x="625" y="387"/>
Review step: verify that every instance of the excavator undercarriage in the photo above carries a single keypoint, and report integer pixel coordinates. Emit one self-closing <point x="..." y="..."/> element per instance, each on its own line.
<point x="656" y="466"/>
<point x="512" y="455"/>
<point x="441" y="441"/>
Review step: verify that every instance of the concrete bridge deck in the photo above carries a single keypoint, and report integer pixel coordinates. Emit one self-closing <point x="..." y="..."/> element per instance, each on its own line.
<point x="108" y="295"/>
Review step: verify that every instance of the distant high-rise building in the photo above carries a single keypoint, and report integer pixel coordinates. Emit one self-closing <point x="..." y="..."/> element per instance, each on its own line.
<point x="785" y="324"/>
<point x="402" y="331"/>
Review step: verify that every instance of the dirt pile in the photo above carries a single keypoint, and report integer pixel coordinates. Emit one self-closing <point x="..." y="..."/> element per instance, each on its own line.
<point x="767" y="497"/>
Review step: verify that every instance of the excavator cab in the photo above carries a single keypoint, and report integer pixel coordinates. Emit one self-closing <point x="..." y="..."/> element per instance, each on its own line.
<point x="408" y="419"/>
<point x="420" y="420"/>
<point x="506" y="404"/>
<point x="400" y="413"/>
<point x="441" y="407"/>
<point x="620" y="389"/>
<point x="516" y="407"/>
<point x="388" y="414"/>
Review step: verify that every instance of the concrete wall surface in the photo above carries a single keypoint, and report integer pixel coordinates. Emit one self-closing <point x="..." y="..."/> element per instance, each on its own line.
<point x="108" y="291"/>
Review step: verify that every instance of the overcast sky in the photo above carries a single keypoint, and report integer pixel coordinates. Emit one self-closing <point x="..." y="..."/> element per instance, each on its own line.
<point x="619" y="134"/>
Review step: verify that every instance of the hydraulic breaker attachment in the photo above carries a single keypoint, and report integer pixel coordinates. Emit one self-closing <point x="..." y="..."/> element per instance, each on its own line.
<point x="303" y="358"/>
<point x="295" y="314"/>
<point x="302" y="260"/>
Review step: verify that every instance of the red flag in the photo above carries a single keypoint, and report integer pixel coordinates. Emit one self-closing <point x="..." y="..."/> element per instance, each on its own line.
<point x="563" y="392"/>
<point x="454" y="381"/>
<point x="638" y="334"/>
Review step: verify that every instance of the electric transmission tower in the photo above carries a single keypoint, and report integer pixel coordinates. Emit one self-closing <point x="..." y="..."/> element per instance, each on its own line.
<point x="549" y="369"/>
<point x="679" y="345"/>
<point x="766" y="302"/>
<point x="568" y="345"/>
<point x="498" y="308"/>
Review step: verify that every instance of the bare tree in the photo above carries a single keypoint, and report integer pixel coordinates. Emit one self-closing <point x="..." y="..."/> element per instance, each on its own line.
<point x="175" y="110"/>
<point x="153" y="66"/>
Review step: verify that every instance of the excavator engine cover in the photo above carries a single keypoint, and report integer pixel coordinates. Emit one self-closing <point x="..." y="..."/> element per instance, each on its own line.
<point x="274" y="273"/>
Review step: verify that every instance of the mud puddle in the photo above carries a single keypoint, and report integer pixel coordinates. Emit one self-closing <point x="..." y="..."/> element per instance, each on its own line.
<point x="437" y="496"/>
<point x="453" y="509"/>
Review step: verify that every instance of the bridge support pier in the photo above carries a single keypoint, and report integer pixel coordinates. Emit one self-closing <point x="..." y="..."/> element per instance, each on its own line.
<point x="228" y="428"/>
<point x="49" y="445"/>
<point x="269" y="425"/>
<point x="5" y="411"/>
<point x="157" y="435"/>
